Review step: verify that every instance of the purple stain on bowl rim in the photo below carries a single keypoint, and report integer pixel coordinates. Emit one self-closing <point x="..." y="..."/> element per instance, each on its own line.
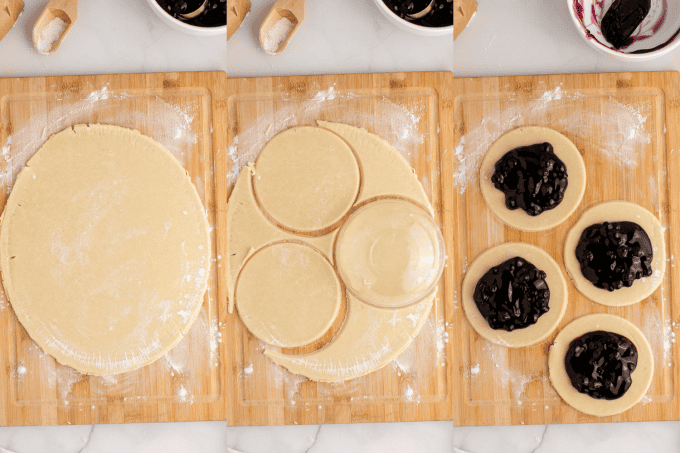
<point x="646" y="31"/>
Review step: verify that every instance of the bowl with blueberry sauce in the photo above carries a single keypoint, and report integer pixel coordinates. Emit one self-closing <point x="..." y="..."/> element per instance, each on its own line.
<point x="195" y="17"/>
<point x="632" y="30"/>
<point x="421" y="17"/>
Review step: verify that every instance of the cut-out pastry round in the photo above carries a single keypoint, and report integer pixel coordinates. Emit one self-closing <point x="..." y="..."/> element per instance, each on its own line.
<point x="533" y="178"/>
<point x="370" y="337"/>
<point x="514" y="294"/>
<point x="105" y="250"/>
<point x="615" y="253"/>
<point x="601" y="364"/>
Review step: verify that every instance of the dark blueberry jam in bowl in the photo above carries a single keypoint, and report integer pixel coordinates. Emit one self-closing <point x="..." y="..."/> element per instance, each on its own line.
<point x="420" y="17"/>
<point x="211" y="20"/>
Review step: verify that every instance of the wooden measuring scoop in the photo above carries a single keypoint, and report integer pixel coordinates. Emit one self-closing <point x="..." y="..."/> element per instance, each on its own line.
<point x="9" y="13"/>
<point x="271" y="39"/>
<point x="48" y="35"/>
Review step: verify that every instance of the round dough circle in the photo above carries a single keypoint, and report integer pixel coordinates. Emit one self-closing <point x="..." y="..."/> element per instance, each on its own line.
<point x="307" y="179"/>
<point x="557" y="284"/>
<point x="104" y="249"/>
<point x="617" y="211"/>
<point x="642" y="376"/>
<point x="563" y="148"/>
<point x="288" y="294"/>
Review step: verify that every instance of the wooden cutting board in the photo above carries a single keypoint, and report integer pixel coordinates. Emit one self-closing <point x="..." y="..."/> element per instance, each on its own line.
<point x="187" y="113"/>
<point x="414" y="112"/>
<point x="627" y="127"/>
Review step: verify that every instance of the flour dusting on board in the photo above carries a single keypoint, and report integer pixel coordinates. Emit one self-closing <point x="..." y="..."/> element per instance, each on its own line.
<point x="621" y="129"/>
<point x="659" y="332"/>
<point x="398" y="124"/>
<point x="168" y="124"/>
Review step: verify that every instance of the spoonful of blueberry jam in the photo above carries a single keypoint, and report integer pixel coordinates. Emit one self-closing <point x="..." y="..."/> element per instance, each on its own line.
<point x="419" y="8"/>
<point x="187" y="9"/>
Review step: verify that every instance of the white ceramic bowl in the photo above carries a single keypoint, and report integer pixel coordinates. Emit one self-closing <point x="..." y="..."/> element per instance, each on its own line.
<point x="408" y="26"/>
<point x="657" y="29"/>
<point x="186" y="28"/>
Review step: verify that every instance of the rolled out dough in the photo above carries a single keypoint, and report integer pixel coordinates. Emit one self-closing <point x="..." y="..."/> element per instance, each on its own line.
<point x="104" y="249"/>
<point x="370" y="337"/>
<point x="617" y="211"/>
<point x="642" y="376"/>
<point x="557" y="284"/>
<point x="563" y="148"/>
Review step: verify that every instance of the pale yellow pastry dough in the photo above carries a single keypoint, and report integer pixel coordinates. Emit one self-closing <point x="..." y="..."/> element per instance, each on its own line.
<point x="104" y="249"/>
<point x="307" y="179"/>
<point x="248" y="229"/>
<point x="557" y="284"/>
<point x="370" y="337"/>
<point x="288" y="294"/>
<point x="641" y="377"/>
<point x="563" y="148"/>
<point x="617" y="211"/>
<point x="385" y="171"/>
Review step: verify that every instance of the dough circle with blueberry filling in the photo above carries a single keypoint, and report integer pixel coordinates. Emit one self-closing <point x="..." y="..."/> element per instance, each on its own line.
<point x="565" y="152"/>
<point x="545" y="324"/>
<point x="641" y="376"/>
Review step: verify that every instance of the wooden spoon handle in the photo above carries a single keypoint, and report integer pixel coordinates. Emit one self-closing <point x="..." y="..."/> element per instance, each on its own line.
<point x="297" y="7"/>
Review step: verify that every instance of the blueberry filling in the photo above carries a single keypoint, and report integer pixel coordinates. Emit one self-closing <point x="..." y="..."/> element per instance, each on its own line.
<point x="599" y="364"/>
<point x="532" y="178"/>
<point x="614" y="255"/>
<point x="440" y="14"/>
<point x="512" y="295"/>
<point x="621" y="20"/>
<point x="214" y="14"/>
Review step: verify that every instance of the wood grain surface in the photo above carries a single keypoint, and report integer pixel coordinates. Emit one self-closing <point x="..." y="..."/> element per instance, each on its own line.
<point x="183" y="109"/>
<point x="416" y="385"/>
<point x="627" y="127"/>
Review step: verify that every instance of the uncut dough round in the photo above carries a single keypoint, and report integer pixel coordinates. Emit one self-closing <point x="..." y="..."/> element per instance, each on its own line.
<point x="557" y="284"/>
<point x="563" y="148"/>
<point x="642" y="376"/>
<point x="288" y="294"/>
<point x="307" y="179"/>
<point x="617" y="211"/>
<point x="104" y="249"/>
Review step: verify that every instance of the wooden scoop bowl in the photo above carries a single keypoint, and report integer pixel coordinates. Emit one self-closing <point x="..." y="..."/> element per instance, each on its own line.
<point x="293" y="10"/>
<point x="66" y="10"/>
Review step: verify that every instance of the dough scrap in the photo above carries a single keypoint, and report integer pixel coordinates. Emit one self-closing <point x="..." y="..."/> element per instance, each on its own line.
<point x="307" y="179"/>
<point x="305" y="290"/>
<point x="557" y="284"/>
<point x="104" y="249"/>
<point x="385" y="172"/>
<point x="369" y="339"/>
<point x="642" y="376"/>
<point x="617" y="211"/>
<point x="563" y="148"/>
